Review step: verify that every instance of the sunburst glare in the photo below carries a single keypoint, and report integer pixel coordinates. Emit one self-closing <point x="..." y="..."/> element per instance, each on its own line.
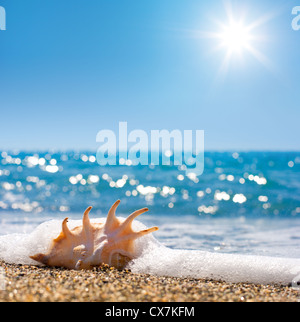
<point x="238" y="38"/>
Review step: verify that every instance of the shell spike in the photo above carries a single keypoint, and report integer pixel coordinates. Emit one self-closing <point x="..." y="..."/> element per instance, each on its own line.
<point x="86" y="220"/>
<point x="65" y="228"/>
<point x="112" y="221"/>
<point x="145" y="232"/>
<point x="42" y="258"/>
<point x="139" y="234"/>
<point x="128" y="221"/>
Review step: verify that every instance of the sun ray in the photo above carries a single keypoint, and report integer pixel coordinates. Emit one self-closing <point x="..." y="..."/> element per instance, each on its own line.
<point x="238" y="37"/>
<point x="260" y="57"/>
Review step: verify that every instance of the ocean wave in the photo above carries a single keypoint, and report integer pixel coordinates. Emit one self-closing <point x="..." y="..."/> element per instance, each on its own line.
<point x="158" y="259"/>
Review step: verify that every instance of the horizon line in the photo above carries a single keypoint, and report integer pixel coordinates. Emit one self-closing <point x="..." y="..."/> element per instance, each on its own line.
<point x="60" y="150"/>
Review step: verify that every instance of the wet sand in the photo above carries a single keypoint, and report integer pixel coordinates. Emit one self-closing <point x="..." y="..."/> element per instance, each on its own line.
<point x="24" y="283"/>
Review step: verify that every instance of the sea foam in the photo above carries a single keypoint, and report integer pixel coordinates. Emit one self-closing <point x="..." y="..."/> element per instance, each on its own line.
<point x="156" y="259"/>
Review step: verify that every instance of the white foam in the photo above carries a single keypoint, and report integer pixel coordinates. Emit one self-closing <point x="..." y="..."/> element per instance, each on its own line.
<point x="163" y="261"/>
<point x="157" y="259"/>
<point x="16" y="248"/>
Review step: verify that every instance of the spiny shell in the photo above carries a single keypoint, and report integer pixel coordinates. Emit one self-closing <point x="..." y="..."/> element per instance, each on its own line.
<point x="93" y="244"/>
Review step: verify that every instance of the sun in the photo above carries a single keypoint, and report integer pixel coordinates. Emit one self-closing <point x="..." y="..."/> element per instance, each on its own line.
<point x="235" y="37"/>
<point x="238" y="38"/>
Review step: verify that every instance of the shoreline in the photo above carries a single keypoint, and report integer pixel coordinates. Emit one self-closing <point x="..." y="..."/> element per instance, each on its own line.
<point x="25" y="283"/>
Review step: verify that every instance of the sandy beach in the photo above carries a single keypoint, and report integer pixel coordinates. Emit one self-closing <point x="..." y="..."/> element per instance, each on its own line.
<point x="24" y="283"/>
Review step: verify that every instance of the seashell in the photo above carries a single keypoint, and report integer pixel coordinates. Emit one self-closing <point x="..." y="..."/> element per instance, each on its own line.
<point x="93" y="244"/>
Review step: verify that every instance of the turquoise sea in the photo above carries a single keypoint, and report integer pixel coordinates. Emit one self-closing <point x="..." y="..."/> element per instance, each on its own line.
<point x="244" y="202"/>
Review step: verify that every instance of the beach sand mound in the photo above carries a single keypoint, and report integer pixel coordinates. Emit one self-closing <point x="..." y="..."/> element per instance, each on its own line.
<point x="32" y="283"/>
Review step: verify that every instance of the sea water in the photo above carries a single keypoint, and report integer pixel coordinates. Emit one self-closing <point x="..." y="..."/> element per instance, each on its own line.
<point x="239" y="221"/>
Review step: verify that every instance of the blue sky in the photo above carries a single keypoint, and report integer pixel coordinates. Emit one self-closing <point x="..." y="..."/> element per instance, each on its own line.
<point x="69" y="69"/>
